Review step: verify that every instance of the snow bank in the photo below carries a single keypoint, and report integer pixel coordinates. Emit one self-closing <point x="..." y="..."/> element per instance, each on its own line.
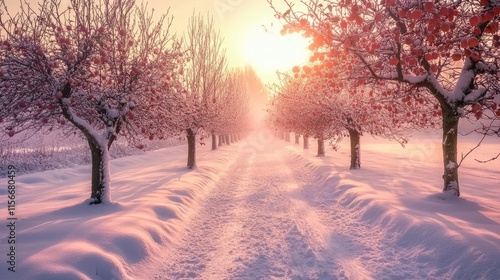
<point x="61" y="237"/>
<point x="459" y="236"/>
<point x="386" y="213"/>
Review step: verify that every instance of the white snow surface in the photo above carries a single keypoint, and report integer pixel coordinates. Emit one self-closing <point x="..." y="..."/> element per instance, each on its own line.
<point x="262" y="208"/>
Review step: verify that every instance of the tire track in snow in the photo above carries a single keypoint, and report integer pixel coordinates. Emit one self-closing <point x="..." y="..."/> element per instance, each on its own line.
<point x="342" y="235"/>
<point x="251" y="228"/>
<point x="366" y="252"/>
<point x="206" y="230"/>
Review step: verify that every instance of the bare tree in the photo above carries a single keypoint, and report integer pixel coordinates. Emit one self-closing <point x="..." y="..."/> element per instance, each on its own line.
<point x="204" y="73"/>
<point x="235" y="110"/>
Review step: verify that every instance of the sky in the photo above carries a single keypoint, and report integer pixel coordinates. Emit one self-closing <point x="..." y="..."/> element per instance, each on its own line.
<point x="250" y="30"/>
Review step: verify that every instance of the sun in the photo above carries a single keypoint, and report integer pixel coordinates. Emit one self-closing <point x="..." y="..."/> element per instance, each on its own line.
<point x="268" y="51"/>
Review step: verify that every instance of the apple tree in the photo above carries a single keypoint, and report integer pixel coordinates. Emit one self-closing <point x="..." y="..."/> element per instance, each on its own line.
<point x="360" y="107"/>
<point x="299" y="106"/>
<point x="448" y="49"/>
<point x="101" y="68"/>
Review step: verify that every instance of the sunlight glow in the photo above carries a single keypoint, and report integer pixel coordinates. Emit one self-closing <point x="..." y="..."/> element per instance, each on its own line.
<point x="269" y="51"/>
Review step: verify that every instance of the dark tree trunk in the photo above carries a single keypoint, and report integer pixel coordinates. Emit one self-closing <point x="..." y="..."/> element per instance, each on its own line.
<point x="297" y="139"/>
<point x="355" y="149"/>
<point x="306" y="142"/>
<point x="228" y="141"/>
<point x="101" y="176"/>
<point x="221" y="140"/>
<point x="100" y="172"/>
<point x="214" y="141"/>
<point x="450" y="140"/>
<point x="321" y="147"/>
<point x="191" y="138"/>
<point x="231" y="138"/>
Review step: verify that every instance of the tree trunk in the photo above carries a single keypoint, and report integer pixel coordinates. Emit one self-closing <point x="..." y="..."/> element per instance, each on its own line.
<point x="221" y="140"/>
<point x="100" y="173"/>
<point x="321" y="147"/>
<point x="355" y="149"/>
<point x="306" y="142"/>
<point x="228" y="141"/>
<point x="297" y="139"/>
<point x="287" y="136"/>
<point x="191" y="138"/>
<point x="214" y="141"/>
<point x="450" y="140"/>
<point x="101" y="177"/>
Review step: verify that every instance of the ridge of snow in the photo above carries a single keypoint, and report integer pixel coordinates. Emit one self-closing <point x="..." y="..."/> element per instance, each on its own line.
<point x="385" y="221"/>
<point x="64" y="238"/>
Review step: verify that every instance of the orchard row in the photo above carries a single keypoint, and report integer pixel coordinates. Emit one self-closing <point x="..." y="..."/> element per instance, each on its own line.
<point x="388" y="67"/>
<point x="107" y="69"/>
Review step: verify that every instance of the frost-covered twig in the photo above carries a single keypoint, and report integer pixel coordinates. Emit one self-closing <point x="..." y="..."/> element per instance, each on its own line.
<point x="491" y="159"/>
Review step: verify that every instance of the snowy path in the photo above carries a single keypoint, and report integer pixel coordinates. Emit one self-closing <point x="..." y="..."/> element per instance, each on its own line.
<point x="263" y="221"/>
<point x="275" y="215"/>
<point x="260" y="209"/>
<point x="251" y="227"/>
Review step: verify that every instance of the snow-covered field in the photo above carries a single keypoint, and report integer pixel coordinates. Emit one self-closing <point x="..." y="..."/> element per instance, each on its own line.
<point x="51" y="151"/>
<point x="262" y="209"/>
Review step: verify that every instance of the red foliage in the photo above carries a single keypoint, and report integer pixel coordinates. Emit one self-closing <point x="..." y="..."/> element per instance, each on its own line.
<point x="85" y="73"/>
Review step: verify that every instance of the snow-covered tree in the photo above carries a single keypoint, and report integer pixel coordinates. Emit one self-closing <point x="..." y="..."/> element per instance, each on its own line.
<point x="204" y="73"/>
<point x="235" y="105"/>
<point x="320" y="94"/>
<point x="101" y="68"/>
<point x="240" y="99"/>
<point x="448" y="49"/>
<point x="356" y="107"/>
<point x="298" y="106"/>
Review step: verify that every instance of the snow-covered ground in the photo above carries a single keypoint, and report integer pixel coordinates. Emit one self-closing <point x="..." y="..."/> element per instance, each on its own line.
<point x="262" y="209"/>
<point x="43" y="151"/>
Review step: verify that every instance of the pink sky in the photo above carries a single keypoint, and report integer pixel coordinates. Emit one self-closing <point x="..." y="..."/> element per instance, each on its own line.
<point x="241" y="24"/>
